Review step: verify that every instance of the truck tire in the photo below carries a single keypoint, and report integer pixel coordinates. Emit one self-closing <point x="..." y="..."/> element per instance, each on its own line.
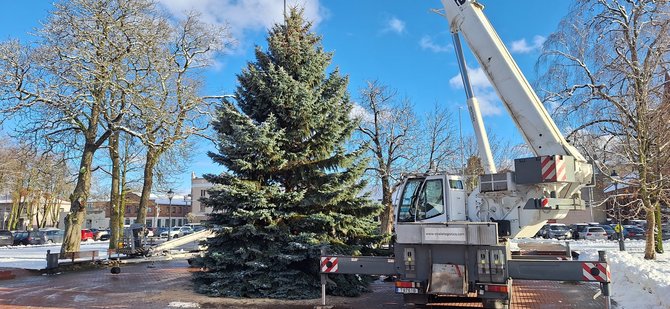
<point x="496" y="303"/>
<point x="415" y="300"/>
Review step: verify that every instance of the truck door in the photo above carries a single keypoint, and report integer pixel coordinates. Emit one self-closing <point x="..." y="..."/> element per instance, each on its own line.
<point x="432" y="200"/>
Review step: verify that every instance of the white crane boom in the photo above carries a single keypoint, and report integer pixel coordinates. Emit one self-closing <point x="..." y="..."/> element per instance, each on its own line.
<point x="525" y="108"/>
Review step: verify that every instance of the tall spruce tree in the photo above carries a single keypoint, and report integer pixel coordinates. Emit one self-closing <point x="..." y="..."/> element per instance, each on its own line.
<point x="290" y="187"/>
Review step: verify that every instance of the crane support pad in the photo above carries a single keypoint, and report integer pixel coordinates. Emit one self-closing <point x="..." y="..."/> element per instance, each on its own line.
<point x="594" y="271"/>
<point x="363" y="265"/>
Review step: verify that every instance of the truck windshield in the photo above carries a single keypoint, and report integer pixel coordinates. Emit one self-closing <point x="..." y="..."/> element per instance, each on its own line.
<point x="406" y="212"/>
<point x="421" y="199"/>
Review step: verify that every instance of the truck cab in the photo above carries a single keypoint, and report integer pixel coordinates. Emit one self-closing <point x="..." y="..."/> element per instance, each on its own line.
<point x="432" y="198"/>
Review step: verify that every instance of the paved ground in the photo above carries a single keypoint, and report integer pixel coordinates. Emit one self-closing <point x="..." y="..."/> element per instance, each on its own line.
<point x="167" y="285"/>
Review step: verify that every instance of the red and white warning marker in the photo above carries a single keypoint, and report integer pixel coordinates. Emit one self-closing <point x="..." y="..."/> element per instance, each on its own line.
<point x="596" y="272"/>
<point x="328" y="264"/>
<point x="553" y="168"/>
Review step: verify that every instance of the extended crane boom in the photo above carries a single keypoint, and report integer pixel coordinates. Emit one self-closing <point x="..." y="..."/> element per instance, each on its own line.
<point x="530" y="116"/>
<point x="552" y="180"/>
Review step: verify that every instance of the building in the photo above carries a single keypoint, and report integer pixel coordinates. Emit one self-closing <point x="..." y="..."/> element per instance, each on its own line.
<point x="160" y="211"/>
<point x="199" y="187"/>
<point x="33" y="214"/>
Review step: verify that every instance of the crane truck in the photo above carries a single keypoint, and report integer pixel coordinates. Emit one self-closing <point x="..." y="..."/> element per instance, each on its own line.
<point x="450" y="243"/>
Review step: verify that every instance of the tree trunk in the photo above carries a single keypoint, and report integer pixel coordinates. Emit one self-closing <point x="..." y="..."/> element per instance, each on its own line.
<point x="114" y="192"/>
<point x="659" y="228"/>
<point x="150" y="163"/>
<point x="30" y="212"/>
<point x="386" y="216"/>
<point x="122" y="212"/>
<point x="13" y="215"/>
<point x="649" y="250"/>
<point x="17" y="209"/>
<point x="77" y="215"/>
<point x="37" y="215"/>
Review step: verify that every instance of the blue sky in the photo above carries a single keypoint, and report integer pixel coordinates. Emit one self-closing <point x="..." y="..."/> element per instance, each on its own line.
<point x="400" y="43"/>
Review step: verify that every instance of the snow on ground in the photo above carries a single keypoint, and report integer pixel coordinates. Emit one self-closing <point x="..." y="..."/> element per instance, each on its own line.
<point x="35" y="256"/>
<point x="636" y="282"/>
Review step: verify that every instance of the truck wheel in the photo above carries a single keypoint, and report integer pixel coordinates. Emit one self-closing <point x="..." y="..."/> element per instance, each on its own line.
<point x="415" y="300"/>
<point x="116" y="270"/>
<point x="495" y="303"/>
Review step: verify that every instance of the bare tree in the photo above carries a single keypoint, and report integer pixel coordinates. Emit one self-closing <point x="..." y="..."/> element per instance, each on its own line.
<point x="436" y="148"/>
<point x="37" y="183"/>
<point x="170" y="111"/>
<point x="605" y="73"/>
<point x="70" y="89"/>
<point x="387" y="125"/>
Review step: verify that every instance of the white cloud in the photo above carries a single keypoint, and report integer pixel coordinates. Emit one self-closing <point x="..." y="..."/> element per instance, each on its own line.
<point x="489" y="103"/>
<point x="522" y="47"/>
<point x="359" y="112"/>
<point x="395" y="25"/>
<point x="244" y="15"/>
<point x="477" y="77"/>
<point x="426" y="42"/>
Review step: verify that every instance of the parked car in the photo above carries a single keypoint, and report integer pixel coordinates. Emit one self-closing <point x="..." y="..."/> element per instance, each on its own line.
<point x="633" y="232"/>
<point x="29" y="238"/>
<point x="53" y="235"/>
<point x="665" y="230"/>
<point x="197" y="227"/>
<point x="593" y="233"/>
<point x="611" y="234"/>
<point x="555" y="230"/>
<point x="102" y="235"/>
<point x="6" y="238"/>
<point x="639" y="223"/>
<point x="87" y="234"/>
<point x="185" y="230"/>
<point x="160" y="230"/>
<point x="174" y="232"/>
<point x="177" y="231"/>
<point x="578" y="228"/>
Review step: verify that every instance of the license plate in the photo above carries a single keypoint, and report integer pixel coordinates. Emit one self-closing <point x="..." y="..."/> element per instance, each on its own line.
<point x="407" y="290"/>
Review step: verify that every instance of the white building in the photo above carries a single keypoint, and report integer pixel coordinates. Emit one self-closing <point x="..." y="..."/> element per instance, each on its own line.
<point x="199" y="187"/>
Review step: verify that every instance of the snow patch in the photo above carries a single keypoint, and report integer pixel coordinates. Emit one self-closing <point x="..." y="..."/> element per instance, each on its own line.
<point x="636" y="282"/>
<point x="83" y="298"/>
<point x="179" y="304"/>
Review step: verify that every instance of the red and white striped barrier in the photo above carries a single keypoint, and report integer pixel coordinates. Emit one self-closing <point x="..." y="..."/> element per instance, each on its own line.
<point x="328" y="264"/>
<point x="596" y="272"/>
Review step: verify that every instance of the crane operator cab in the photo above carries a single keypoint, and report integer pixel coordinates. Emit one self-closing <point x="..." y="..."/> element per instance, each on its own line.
<point x="431" y="198"/>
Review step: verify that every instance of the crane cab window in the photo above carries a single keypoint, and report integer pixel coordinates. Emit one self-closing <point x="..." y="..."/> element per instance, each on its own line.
<point x="406" y="209"/>
<point x="456" y="184"/>
<point x="421" y="200"/>
<point x="431" y="200"/>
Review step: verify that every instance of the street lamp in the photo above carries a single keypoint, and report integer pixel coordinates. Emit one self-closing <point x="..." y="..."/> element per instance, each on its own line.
<point x="619" y="231"/>
<point x="170" y="195"/>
